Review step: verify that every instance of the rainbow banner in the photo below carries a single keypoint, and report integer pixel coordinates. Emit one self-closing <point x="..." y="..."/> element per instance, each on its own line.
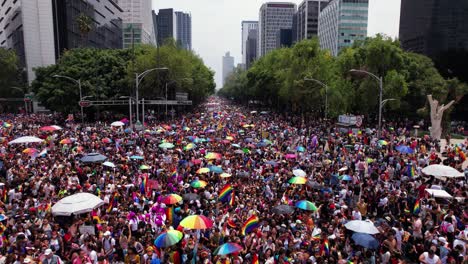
<point x="255" y="259"/>
<point x="232" y="199"/>
<point x="224" y="193"/>
<point x="417" y="208"/>
<point x="410" y="171"/>
<point x="250" y="225"/>
<point x="170" y="214"/>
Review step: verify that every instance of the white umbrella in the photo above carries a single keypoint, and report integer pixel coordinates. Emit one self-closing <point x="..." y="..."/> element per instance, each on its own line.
<point x="360" y="226"/>
<point x="109" y="164"/>
<point x="299" y="173"/>
<point x="79" y="203"/>
<point x="442" y="171"/>
<point x="27" y="139"/>
<point x="439" y="193"/>
<point x="118" y="124"/>
<point x="343" y="169"/>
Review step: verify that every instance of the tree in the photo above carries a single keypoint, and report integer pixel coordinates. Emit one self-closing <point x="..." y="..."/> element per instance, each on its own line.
<point x="10" y="73"/>
<point x="437" y="112"/>
<point x="85" y="24"/>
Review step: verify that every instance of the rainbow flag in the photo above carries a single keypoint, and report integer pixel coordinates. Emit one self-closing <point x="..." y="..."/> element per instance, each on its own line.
<point x="224" y="193"/>
<point x="417" y="208"/>
<point x="255" y="259"/>
<point x="326" y="247"/>
<point x="95" y="216"/>
<point x="170" y="214"/>
<point x="232" y="198"/>
<point x="174" y="174"/>
<point x="250" y="225"/>
<point x="231" y="223"/>
<point x="112" y="200"/>
<point x="410" y="171"/>
<point x="285" y="199"/>
<point x="5" y="195"/>
<point x="144" y="184"/>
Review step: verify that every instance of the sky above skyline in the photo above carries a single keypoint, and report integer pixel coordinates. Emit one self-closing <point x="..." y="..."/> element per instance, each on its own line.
<point x="216" y="24"/>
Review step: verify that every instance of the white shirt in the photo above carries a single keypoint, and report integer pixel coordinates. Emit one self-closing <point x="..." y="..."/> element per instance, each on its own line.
<point x="429" y="260"/>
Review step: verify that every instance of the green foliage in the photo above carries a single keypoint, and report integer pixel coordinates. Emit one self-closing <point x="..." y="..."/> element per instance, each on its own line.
<point x="85" y="24"/>
<point x="10" y="74"/>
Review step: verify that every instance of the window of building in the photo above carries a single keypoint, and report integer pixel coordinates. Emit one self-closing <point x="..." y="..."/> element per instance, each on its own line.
<point x="108" y="9"/>
<point x="8" y="10"/>
<point x="3" y="3"/>
<point x="99" y="13"/>
<point x="6" y="26"/>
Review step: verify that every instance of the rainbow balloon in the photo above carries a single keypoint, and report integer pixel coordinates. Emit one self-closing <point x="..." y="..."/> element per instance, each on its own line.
<point x="250" y="225"/>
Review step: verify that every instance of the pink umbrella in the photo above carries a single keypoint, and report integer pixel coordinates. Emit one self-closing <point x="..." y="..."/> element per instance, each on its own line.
<point x="290" y="156"/>
<point x="196" y="161"/>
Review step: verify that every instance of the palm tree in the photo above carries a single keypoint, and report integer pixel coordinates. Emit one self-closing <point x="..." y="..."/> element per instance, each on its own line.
<point x="85" y="25"/>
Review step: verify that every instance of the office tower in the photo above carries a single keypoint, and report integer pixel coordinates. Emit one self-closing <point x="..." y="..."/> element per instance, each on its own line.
<point x="307" y="18"/>
<point x="273" y="17"/>
<point x="251" y="48"/>
<point x="284" y="38"/>
<point x="39" y="31"/>
<point x="247" y="26"/>
<point x="184" y="30"/>
<point x="228" y="66"/>
<point x="166" y="25"/>
<point x="155" y="25"/>
<point x="342" y="23"/>
<point x="138" y="26"/>
<point x="434" y="27"/>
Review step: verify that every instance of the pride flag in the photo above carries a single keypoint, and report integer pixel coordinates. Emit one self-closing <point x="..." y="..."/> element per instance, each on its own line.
<point x="144" y="184"/>
<point x="224" y="193"/>
<point x="95" y="216"/>
<point x="170" y="214"/>
<point x="250" y="225"/>
<point x="232" y="198"/>
<point x="255" y="259"/>
<point x="325" y="249"/>
<point x="417" y="208"/>
<point x="410" y="171"/>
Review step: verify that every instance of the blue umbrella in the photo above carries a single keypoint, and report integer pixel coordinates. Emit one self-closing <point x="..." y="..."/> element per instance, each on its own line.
<point x="3" y="217"/>
<point x="262" y="144"/>
<point x="249" y="140"/>
<point x="365" y="240"/>
<point x="404" y="149"/>
<point x="135" y="157"/>
<point x="93" y="157"/>
<point x="346" y="178"/>
<point x="216" y="169"/>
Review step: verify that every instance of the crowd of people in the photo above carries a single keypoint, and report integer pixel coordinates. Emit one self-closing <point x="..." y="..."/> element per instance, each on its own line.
<point x="351" y="175"/>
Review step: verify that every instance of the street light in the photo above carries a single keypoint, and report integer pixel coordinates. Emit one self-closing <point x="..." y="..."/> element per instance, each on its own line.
<point x="380" y="80"/>
<point x="24" y="96"/>
<point x="129" y="108"/>
<point x="326" y="92"/>
<point x="174" y="81"/>
<point x="79" y="87"/>
<point x="138" y="78"/>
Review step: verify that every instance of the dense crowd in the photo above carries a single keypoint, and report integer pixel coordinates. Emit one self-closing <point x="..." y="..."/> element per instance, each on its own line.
<point x="351" y="175"/>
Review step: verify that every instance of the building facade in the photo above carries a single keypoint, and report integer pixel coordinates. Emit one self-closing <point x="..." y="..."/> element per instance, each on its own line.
<point x="307" y="18"/>
<point x="184" y="30"/>
<point x="155" y="25"/>
<point x="39" y="31"/>
<point x="273" y="16"/>
<point x="251" y="48"/>
<point x="247" y="26"/>
<point x="284" y="38"/>
<point x="432" y="27"/>
<point x="228" y="66"/>
<point x="166" y="25"/>
<point x="342" y="23"/>
<point x="138" y="26"/>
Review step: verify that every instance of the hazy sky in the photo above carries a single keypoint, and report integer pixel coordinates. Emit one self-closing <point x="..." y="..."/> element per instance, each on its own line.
<point x="216" y="24"/>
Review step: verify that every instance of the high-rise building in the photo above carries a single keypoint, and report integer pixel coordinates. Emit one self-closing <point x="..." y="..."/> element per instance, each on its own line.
<point x="138" y="26"/>
<point x="342" y="23"/>
<point x="155" y="25"/>
<point x="39" y="31"/>
<point x="184" y="30"/>
<point x="166" y="25"/>
<point x="307" y="18"/>
<point x="247" y="26"/>
<point x="228" y="66"/>
<point x="251" y="48"/>
<point x="284" y="38"/>
<point x="433" y="27"/>
<point x="273" y="17"/>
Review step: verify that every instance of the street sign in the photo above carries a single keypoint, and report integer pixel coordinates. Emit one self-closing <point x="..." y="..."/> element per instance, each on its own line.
<point x="84" y="103"/>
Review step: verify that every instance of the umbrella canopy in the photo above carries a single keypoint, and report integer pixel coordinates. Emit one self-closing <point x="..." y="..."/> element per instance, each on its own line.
<point x="306" y="205"/>
<point x="300" y="149"/>
<point x="50" y="128"/>
<point x="404" y="149"/>
<point x="298" y="180"/>
<point x="106" y="140"/>
<point x="216" y="169"/>
<point x="345" y="168"/>
<point x="225" y="175"/>
<point x="439" y="193"/>
<point x="190" y="146"/>
<point x="169" y="238"/>
<point x="191" y="197"/>
<point x="117" y="124"/>
<point x="136" y="157"/>
<point x="93" y="157"/>
<point x="30" y="151"/>
<point x="365" y="240"/>
<point x="283" y="209"/>
<point x="228" y="248"/>
<point x="79" y="203"/>
<point x="27" y="139"/>
<point x="166" y="145"/>
<point x="144" y="167"/>
<point x="3" y="217"/>
<point x="442" y="171"/>
<point x="361" y="226"/>
<point x="299" y="173"/>
<point x="346" y="177"/>
<point x="383" y="143"/>
<point x="213" y="155"/>
<point x="108" y="164"/>
<point x="172" y="199"/>
<point x="290" y="156"/>
<point x="203" y="170"/>
<point x="66" y="141"/>
<point x="198" y="184"/>
<point x="196" y="222"/>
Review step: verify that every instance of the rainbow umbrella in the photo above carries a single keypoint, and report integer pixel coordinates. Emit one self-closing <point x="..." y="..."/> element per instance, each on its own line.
<point x="144" y="167"/>
<point x="203" y="170"/>
<point x="186" y="128"/>
<point x="50" y="128"/>
<point x="169" y="238"/>
<point x="212" y="156"/>
<point x="196" y="222"/>
<point x="190" y="146"/>
<point x="166" y="145"/>
<point x="198" y="184"/>
<point x="300" y="149"/>
<point x="225" y="175"/>
<point x="228" y="248"/>
<point x="306" y="205"/>
<point x="6" y="125"/>
<point x="65" y="141"/>
<point x="30" y="151"/>
<point x="382" y="142"/>
<point x="298" y="180"/>
<point x="299" y="173"/>
<point x="172" y="199"/>
<point x="229" y="138"/>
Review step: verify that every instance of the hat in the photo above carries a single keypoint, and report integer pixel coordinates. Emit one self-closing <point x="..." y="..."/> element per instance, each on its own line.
<point x="47" y="252"/>
<point x="443" y="240"/>
<point x="107" y="233"/>
<point x="298" y="221"/>
<point x="150" y="249"/>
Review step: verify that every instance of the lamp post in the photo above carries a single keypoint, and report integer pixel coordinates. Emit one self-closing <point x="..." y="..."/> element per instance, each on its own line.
<point x="138" y="78"/>
<point x="173" y="81"/>
<point x="129" y="109"/>
<point x="24" y="96"/>
<point x="79" y="87"/>
<point x="380" y="80"/>
<point x="326" y="92"/>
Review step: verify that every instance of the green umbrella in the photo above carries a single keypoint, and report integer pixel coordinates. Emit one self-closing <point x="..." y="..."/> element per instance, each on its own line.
<point x="166" y="145"/>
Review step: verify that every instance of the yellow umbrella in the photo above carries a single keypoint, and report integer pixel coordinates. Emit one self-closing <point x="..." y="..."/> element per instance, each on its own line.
<point x="203" y="170"/>
<point x="213" y="155"/>
<point x="229" y="138"/>
<point x="225" y="175"/>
